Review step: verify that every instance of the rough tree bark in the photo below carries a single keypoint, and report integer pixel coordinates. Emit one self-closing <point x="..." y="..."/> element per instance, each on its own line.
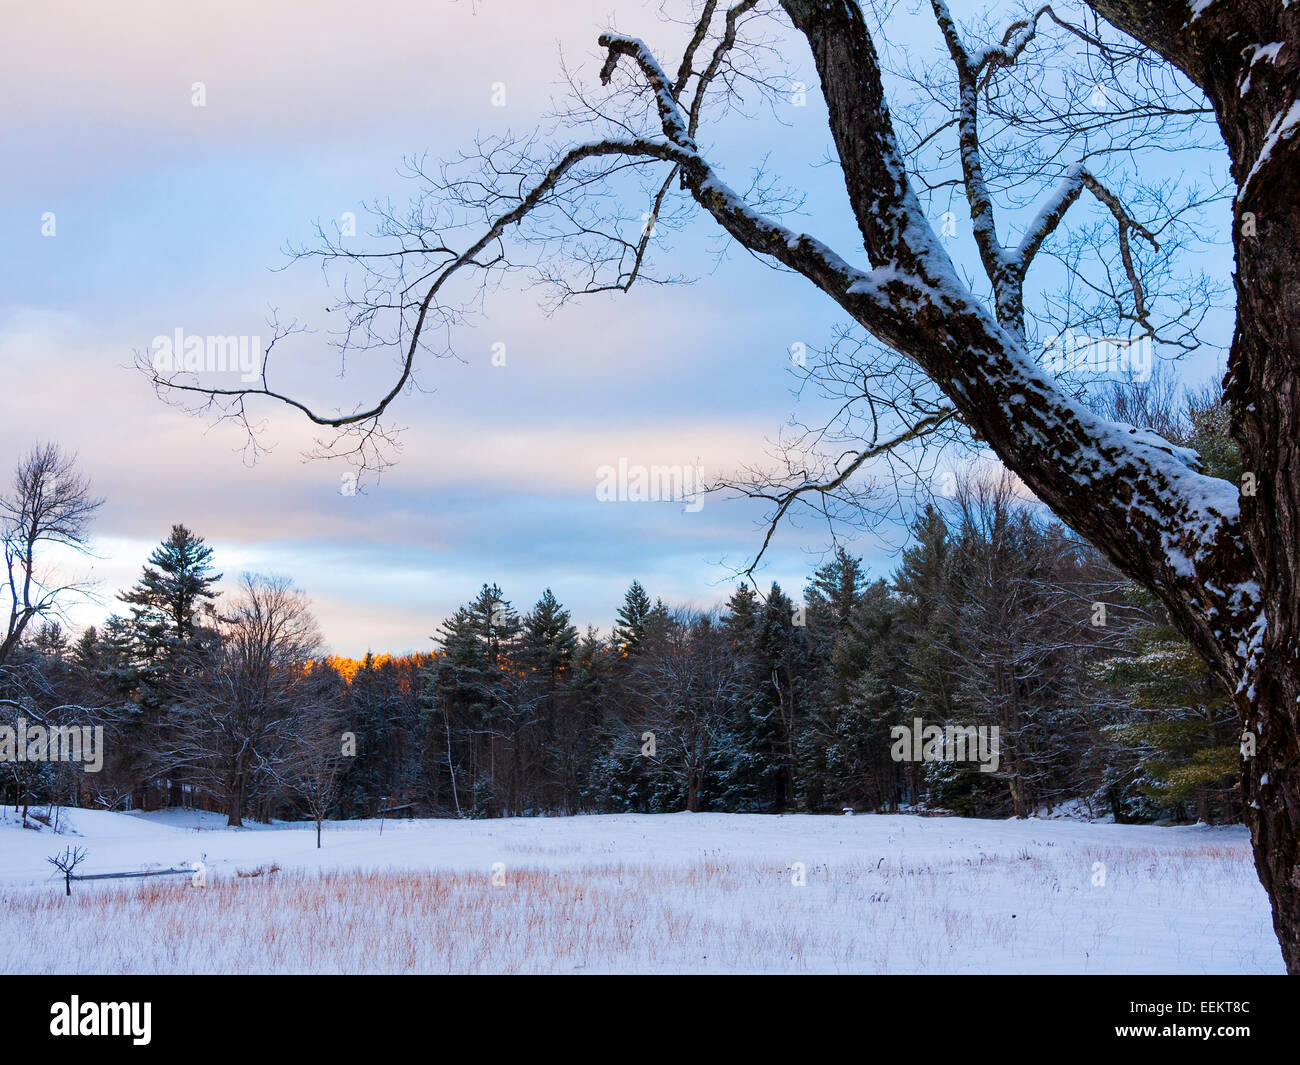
<point x="1231" y="50"/>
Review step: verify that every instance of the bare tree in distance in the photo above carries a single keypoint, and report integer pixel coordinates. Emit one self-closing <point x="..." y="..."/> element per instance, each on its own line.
<point x="49" y="505"/>
<point x="316" y="760"/>
<point x="236" y="710"/>
<point x="1219" y="556"/>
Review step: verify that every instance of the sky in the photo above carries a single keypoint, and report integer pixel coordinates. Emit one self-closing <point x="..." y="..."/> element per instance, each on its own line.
<point x="169" y="216"/>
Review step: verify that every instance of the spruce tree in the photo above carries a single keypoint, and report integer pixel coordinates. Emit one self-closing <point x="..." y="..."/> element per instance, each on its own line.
<point x="166" y="605"/>
<point x="747" y="757"/>
<point x="634" y="619"/>
<point x="830" y="597"/>
<point x="176" y="584"/>
<point x="549" y="639"/>
<point x="1180" y="736"/>
<point x="475" y="686"/>
<point x="555" y="746"/>
<point x="779" y="655"/>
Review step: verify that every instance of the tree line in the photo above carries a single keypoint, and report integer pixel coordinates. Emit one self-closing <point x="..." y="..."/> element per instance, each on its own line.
<point x="995" y="617"/>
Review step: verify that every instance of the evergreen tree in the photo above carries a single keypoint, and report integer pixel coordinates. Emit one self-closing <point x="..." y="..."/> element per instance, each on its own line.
<point x="477" y="686"/>
<point x="926" y="624"/>
<point x="831" y="597"/>
<point x="862" y="773"/>
<point x="1183" y="735"/>
<point x="174" y="589"/>
<point x="549" y="639"/>
<point x="379" y="769"/>
<point x="175" y="586"/>
<point x="553" y="747"/>
<point x="779" y="660"/>
<point x="746" y="761"/>
<point x="634" y="620"/>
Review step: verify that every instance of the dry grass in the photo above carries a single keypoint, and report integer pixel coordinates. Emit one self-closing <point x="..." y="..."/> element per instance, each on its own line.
<point x="260" y="870"/>
<point x="1032" y="910"/>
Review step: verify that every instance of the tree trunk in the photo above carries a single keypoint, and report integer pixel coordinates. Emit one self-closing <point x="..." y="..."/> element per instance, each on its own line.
<point x="1271" y="790"/>
<point x="235" y="804"/>
<point x="1225" y="567"/>
<point x="1263" y="386"/>
<point x="1258" y="111"/>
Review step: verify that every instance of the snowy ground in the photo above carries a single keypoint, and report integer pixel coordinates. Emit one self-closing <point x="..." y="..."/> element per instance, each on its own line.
<point x="628" y="893"/>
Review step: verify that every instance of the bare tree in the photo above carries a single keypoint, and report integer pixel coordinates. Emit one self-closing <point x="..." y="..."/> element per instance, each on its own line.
<point x="236" y="710"/>
<point x="49" y="505"/>
<point x="66" y="862"/>
<point x="1219" y="556"/>
<point x="317" y="756"/>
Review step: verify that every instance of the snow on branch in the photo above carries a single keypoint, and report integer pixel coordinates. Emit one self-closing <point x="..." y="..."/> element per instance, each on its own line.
<point x="670" y="115"/>
<point x="1053" y="211"/>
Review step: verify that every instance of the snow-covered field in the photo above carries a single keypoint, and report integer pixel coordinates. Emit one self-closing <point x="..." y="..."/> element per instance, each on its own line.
<point x="631" y="893"/>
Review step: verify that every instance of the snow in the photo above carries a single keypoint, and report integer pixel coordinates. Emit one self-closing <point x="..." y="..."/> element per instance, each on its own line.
<point x="670" y="114"/>
<point x="1259" y="51"/>
<point x="667" y="892"/>
<point x="1282" y="128"/>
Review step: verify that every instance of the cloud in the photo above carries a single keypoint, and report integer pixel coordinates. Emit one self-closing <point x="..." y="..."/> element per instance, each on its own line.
<point x="491" y="485"/>
<point x="302" y="69"/>
<point x="169" y="216"/>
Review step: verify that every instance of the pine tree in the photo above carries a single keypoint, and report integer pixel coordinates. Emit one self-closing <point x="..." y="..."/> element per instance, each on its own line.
<point x="50" y="641"/>
<point x="548" y="643"/>
<point x="926" y="625"/>
<point x="379" y="769"/>
<point x="634" y="619"/>
<point x="862" y="773"/>
<point x="476" y="685"/>
<point x="835" y="587"/>
<point x="176" y="584"/>
<point x="746" y="761"/>
<point x="549" y="639"/>
<point x="166" y="604"/>
<point x="1183" y="735"/>
<point x="831" y="597"/>
<point x="779" y="657"/>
